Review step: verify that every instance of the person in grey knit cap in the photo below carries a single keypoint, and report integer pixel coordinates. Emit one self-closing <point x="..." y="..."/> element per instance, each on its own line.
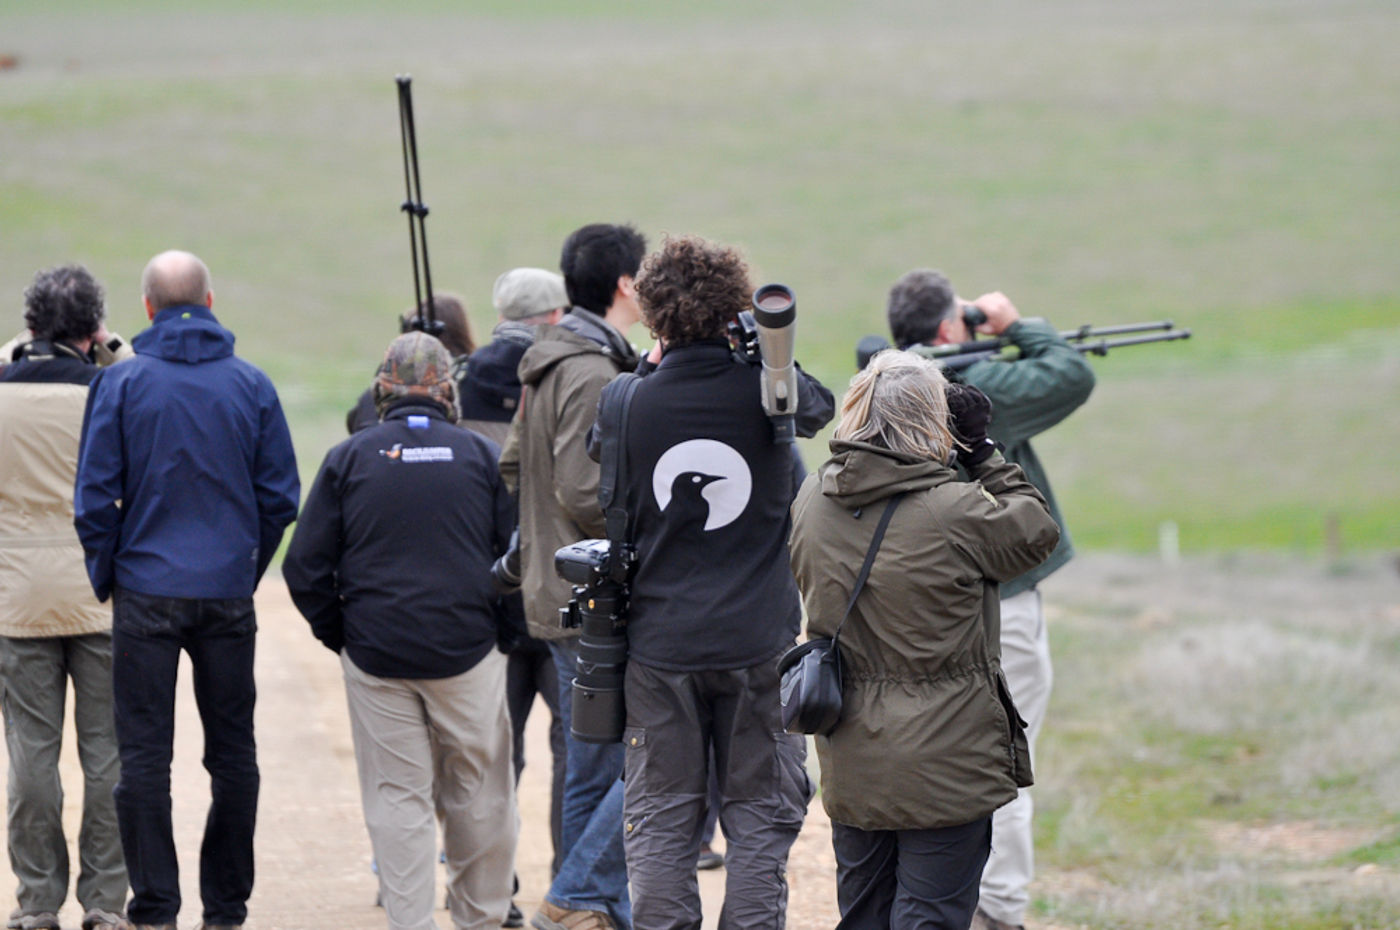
<point x="489" y="387"/>
<point x="488" y="392"/>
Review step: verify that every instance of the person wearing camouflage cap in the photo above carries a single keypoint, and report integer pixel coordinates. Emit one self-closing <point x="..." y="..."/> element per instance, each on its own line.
<point x="415" y="366"/>
<point x="390" y="565"/>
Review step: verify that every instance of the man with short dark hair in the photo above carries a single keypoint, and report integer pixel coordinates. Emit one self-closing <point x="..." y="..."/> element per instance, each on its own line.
<point x="546" y="465"/>
<point x="52" y="630"/>
<point x="713" y="602"/>
<point x="186" y="481"/>
<point x="1045" y="384"/>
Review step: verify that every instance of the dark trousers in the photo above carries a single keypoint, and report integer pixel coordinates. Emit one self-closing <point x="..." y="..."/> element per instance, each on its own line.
<point x="681" y="727"/>
<point x="909" y="879"/>
<point x="148" y="634"/>
<point x="530" y="671"/>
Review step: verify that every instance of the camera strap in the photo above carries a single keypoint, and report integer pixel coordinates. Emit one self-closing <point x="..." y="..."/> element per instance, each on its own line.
<point x="614" y="407"/>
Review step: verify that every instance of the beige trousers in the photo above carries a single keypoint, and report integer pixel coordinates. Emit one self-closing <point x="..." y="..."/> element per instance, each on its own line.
<point x="439" y="745"/>
<point x="1025" y="658"/>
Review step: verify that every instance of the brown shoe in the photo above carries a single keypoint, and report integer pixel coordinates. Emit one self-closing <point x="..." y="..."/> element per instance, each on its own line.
<point x="552" y="917"/>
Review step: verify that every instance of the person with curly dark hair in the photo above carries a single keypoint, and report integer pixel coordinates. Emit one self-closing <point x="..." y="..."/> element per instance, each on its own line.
<point x="62" y="303"/>
<point x="52" y="629"/>
<point x="713" y="601"/>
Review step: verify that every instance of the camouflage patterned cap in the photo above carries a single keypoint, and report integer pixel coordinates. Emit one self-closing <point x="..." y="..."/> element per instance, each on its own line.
<point x="415" y="364"/>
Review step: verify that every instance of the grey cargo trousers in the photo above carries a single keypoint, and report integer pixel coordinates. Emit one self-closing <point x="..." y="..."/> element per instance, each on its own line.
<point x="674" y="719"/>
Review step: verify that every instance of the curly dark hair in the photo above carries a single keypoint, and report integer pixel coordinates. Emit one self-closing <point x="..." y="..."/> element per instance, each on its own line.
<point x="691" y="289"/>
<point x="918" y="302"/>
<point x="64" y="303"/>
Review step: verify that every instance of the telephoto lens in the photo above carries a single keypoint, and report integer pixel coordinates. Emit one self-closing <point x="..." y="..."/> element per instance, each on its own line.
<point x="598" y="708"/>
<point x="775" y="315"/>
<point x="505" y="571"/>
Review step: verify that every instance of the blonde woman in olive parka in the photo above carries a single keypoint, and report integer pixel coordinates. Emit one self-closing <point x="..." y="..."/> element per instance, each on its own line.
<point x="929" y="743"/>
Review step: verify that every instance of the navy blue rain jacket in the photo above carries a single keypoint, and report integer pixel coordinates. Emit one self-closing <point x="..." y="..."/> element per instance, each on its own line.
<point x="186" y="474"/>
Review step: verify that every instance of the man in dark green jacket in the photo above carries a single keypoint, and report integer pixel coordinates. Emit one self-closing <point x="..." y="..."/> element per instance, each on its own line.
<point x="1043" y="385"/>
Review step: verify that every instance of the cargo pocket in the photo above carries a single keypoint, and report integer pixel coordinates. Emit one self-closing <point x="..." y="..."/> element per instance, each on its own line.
<point x="795" y="787"/>
<point x="1017" y="743"/>
<point x="636" y="799"/>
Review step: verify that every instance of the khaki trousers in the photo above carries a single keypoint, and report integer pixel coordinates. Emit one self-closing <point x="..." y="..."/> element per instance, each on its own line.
<point x="437" y="745"/>
<point x="1025" y="658"/>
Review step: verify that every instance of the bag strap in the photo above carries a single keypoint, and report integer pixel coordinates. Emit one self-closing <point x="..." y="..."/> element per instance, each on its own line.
<point x="869" y="561"/>
<point x="613" y="408"/>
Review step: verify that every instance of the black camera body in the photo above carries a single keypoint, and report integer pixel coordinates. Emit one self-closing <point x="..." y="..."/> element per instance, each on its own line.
<point x="598" y="609"/>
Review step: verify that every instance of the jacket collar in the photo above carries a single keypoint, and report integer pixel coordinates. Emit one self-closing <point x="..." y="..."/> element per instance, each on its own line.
<point x="591" y="326"/>
<point x="406" y="407"/>
<point x="699" y="350"/>
<point x="42" y="350"/>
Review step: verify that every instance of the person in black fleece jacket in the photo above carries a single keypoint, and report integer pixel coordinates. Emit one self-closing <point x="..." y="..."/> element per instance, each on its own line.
<point x="390" y="565"/>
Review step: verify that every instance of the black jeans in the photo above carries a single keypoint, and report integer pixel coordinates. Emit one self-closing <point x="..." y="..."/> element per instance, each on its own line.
<point x="905" y="879"/>
<point x="147" y="636"/>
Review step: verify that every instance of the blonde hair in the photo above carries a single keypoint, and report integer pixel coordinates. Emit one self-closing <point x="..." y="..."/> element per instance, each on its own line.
<point x="899" y="403"/>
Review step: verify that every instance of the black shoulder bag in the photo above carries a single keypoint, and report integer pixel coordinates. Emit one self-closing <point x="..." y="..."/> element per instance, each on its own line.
<point x="811" y="672"/>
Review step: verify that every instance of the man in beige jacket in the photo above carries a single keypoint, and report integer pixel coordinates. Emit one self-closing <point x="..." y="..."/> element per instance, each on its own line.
<point x="51" y="626"/>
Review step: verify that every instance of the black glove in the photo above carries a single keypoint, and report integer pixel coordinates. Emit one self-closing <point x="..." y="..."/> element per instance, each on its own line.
<point x="969" y="414"/>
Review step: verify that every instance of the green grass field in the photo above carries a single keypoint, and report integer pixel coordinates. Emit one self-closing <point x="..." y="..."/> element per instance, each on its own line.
<point x="1230" y="166"/>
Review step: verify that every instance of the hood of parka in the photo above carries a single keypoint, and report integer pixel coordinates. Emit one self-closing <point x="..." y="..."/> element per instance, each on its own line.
<point x="579" y="333"/>
<point x="858" y="473"/>
<point x="186" y="333"/>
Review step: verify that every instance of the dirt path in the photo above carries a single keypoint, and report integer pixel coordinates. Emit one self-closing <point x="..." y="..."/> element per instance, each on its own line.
<point x="312" y="850"/>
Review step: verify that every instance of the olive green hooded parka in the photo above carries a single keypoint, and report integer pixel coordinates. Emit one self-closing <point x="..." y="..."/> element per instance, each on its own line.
<point x="928" y="735"/>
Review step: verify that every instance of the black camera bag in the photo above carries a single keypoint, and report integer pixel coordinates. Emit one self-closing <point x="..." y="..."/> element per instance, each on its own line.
<point x="810" y="694"/>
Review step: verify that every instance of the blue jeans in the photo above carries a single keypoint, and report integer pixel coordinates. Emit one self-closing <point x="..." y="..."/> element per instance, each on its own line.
<point x="148" y="634"/>
<point x="593" y="873"/>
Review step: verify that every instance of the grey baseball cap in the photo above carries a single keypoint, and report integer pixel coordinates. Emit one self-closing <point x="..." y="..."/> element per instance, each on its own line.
<point x="526" y="292"/>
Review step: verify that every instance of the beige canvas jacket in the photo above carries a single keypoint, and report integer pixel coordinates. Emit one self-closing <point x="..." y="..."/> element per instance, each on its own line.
<point x="44" y="588"/>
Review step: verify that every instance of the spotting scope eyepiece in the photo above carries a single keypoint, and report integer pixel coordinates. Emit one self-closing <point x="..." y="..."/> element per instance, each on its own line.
<point x="775" y="315"/>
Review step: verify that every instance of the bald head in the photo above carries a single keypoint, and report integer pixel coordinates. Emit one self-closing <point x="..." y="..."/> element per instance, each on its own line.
<point x="173" y="278"/>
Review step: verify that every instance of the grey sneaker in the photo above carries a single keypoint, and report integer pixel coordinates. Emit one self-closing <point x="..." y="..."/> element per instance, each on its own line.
<point x="984" y="921"/>
<point x="98" y="919"/>
<point x="41" y="921"/>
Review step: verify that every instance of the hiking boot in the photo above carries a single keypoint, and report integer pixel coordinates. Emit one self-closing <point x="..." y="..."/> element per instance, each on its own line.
<point x="984" y="921"/>
<point x="98" y="919"/>
<point x="514" y="918"/>
<point x="553" y="917"/>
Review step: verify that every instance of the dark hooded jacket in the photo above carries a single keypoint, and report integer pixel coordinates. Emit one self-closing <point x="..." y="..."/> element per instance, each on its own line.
<point x="928" y="735"/>
<point x="186" y="474"/>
